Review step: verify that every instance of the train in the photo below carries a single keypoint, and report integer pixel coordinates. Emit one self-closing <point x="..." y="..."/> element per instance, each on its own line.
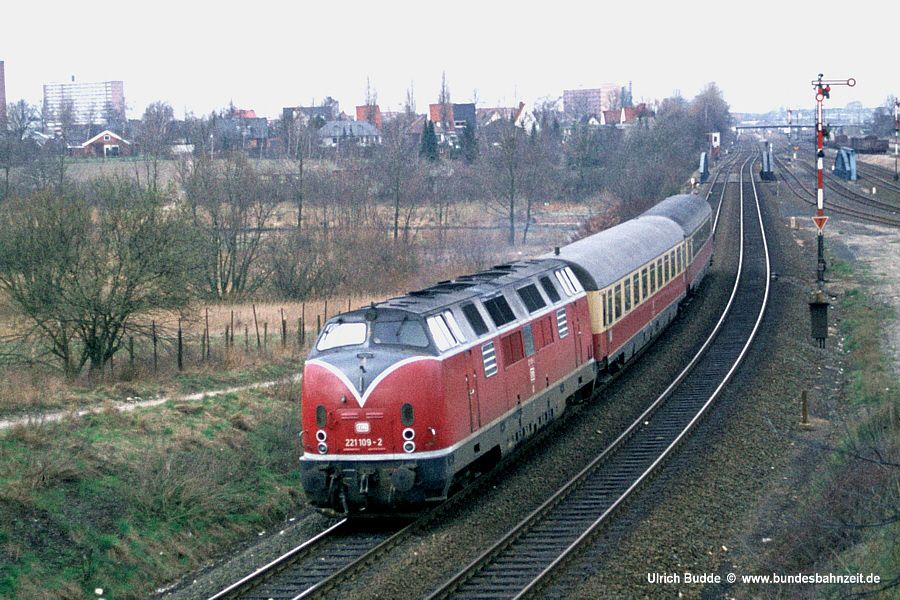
<point x="869" y="144"/>
<point x="406" y="400"/>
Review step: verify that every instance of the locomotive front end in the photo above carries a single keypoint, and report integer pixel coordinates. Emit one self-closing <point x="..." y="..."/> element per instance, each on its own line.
<point x="372" y="397"/>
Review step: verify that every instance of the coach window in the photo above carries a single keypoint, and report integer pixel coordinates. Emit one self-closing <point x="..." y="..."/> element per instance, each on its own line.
<point x="627" y="295"/>
<point x="644" y="289"/>
<point x="652" y="279"/>
<point x="474" y="318"/>
<point x="678" y="259"/>
<point x="618" y="301"/>
<point x="666" y="268"/>
<point x="659" y="272"/>
<point x="550" y="289"/>
<point x="609" y="307"/>
<point x="636" y="281"/>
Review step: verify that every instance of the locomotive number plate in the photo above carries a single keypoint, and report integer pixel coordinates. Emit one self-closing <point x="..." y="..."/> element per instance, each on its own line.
<point x="363" y="442"/>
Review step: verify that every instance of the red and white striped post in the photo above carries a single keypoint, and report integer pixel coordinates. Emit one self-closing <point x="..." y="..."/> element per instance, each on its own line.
<point x="823" y="90"/>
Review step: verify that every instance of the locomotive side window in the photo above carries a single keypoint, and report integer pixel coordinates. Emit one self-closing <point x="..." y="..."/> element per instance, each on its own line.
<point x="576" y="285"/>
<point x="562" y="323"/>
<point x="445" y="331"/>
<point x="564" y="282"/>
<point x="341" y="334"/>
<point x="489" y="356"/>
<point x="550" y="289"/>
<point x="499" y="310"/>
<point x="474" y="318"/>
<point x="531" y="298"/>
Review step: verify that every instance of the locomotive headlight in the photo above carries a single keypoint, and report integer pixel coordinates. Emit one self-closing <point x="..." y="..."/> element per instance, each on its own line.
<point x="323" y="448"/>
<point x="321" y="435"/>
<point x="409" y="434"/>
<point x="409" y="446"/>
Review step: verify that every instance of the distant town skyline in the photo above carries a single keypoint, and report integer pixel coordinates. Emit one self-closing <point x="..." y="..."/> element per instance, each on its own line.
<point x="269" y="55"/>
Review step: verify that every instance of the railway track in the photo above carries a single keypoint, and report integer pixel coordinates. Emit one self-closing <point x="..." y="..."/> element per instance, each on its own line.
<point x="331" y="559"/>
<point x="522" y="561"/>
<point x="806" y="194"/>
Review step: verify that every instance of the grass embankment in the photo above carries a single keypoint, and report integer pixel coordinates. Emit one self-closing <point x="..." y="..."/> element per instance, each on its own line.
<point x="126" y="501"/>
<point x="851" y="521"/>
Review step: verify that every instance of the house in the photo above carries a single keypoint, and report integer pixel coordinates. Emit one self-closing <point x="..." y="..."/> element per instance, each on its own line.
<point x="450" y="120"/>
<point x="105" y="144"/>
<point x="242" y="129"/>
<point x="358" y="133"/>
<point x="369" y="113"/>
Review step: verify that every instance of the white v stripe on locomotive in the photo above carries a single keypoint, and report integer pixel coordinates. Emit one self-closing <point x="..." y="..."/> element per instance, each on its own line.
<point x="371" y="387"/>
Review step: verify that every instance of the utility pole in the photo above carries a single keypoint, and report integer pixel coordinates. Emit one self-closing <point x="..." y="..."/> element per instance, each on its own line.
<point x="823" y="90"/>
<point x="896" y="135"/>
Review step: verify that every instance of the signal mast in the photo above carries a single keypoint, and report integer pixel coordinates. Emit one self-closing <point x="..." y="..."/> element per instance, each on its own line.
<point x="823" y="90"/>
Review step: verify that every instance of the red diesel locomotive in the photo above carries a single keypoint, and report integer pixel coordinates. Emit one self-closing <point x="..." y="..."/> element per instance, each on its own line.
<point x="406" y="399"/>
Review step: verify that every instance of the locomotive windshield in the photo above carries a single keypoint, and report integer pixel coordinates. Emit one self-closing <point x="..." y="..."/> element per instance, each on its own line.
<point x="402" y="332"/>
<point x="342" y="334"/>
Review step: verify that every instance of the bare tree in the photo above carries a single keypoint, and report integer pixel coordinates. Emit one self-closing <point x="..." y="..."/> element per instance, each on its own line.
<point x="81" y="268"/>
<point x="501" y="170"/>
<point x="230" y="211"/>
<point x="395" y="167"/>
<point x="154" y="138"/>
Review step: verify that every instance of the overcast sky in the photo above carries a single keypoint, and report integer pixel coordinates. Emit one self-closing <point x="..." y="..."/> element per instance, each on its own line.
<point x="264" y="55"/>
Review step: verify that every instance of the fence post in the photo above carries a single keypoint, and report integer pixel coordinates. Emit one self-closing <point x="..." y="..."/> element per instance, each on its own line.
<point x="153" y="330"/>
<point x="180" y="349"/>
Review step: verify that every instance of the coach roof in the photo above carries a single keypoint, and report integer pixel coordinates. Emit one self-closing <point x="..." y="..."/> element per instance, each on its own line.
<point x="610" y="255"/>
<point x="688" y="210"/>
